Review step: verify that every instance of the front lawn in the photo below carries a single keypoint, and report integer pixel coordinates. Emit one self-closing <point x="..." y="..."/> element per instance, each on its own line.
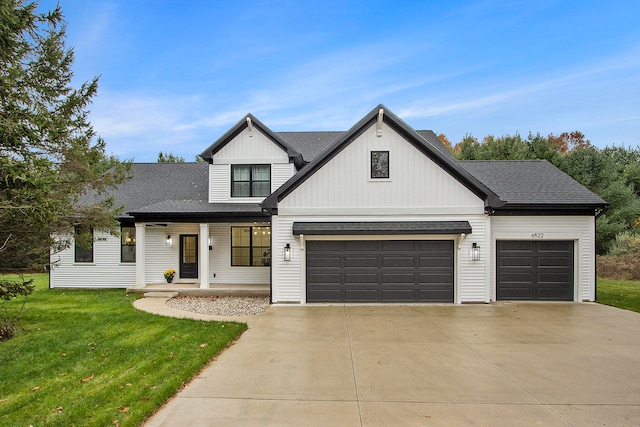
<point x="619" y="293"/>
<point x="89" y="358"/>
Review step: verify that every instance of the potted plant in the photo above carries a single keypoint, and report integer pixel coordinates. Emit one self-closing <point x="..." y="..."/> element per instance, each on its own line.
<point x="168" y="274"/>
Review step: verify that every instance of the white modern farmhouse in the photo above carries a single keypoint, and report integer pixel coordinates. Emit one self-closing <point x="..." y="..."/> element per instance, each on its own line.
<point x="379" y="213"/>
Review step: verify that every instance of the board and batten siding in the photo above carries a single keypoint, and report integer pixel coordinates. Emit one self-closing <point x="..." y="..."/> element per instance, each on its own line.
<point x="220" y="259"/>
<point x="344" y="184"/>
<point x="245" y="149"/>
<point x="160" y="256"/>
<point x="106" y="270"/>
<point x="289" y="278"/>
<point x="580" y="229"/>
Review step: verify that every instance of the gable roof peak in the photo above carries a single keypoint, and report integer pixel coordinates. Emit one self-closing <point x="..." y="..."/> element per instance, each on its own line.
<point x="250" y="122"/>
<point x="382" y="114"/>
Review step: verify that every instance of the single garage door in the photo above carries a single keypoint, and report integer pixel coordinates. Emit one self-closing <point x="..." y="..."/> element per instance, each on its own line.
<point x="534" y="270"/>
<point x="380" y="271"/>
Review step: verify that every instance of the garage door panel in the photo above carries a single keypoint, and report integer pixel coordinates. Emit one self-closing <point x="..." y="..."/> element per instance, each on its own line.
<point x="359" y="246"/>
<point x="516" y="277"/>
<point x="359" y="295"/>
<point x="544" y="271"/>
<point x="514" y="245"/>
<point x="360" y="261"/>
<point x="515" y="261"/>
<point x="551" y="261"/>
<point x="370" y="278"/>
<point x="398" y="261"/>
<point x="436" y="261"/>
<point x="397" y="246"/>
<point x="393" y="278"/>
<point x="403" y="271"/>
<point x="324" y="262"/>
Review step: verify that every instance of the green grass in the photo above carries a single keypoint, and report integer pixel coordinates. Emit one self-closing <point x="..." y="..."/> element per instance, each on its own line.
<point x="619" y="293"/>
<point x="89" y="358"/>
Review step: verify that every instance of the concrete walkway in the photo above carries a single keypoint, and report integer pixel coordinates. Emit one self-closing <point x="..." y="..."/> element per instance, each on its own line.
<point x="519" y="364"/>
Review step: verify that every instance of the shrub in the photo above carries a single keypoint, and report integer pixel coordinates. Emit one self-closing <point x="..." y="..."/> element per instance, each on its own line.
<point x="10" y="318"/>
<point x="626" y="243"/>
<point x="623" y="267"/>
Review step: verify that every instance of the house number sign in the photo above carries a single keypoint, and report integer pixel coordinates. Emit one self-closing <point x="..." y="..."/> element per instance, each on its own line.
<point x="537" y="235"/>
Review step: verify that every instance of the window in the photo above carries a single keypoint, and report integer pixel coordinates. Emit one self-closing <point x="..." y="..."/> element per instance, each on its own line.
<point x="251" y="246"/>
<point x="83" y="254"/>
<point x="250" y="180"/>
<point x="379" y="164"/>
<point x="127" y="243"/>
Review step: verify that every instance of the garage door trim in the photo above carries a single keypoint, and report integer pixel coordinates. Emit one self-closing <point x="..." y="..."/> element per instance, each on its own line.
<point x="380" y="270"/>
<point x="535" y="270"/>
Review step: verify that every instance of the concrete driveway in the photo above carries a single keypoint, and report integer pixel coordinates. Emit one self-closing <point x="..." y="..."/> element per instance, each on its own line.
<point x="552" y="364"/>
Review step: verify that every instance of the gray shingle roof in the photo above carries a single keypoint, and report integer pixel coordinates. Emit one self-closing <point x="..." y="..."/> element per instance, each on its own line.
<point x="198" y="207"/>
<point x="531" y="182"/>
<point x="310" y="144"/>
<point x="152" y="183"/>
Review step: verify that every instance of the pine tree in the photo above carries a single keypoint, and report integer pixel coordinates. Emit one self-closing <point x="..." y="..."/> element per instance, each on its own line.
<point x="50" y="156"/>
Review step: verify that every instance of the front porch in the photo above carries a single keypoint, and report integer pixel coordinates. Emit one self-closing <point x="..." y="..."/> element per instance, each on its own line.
<point x="213" y="290"/>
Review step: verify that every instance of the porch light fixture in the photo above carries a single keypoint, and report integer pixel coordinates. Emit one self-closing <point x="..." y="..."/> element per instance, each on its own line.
<point x="210" y="245"/>
<point x="475" y="252"/>
<point x="169" y="240"/>
<point x="287" y="252"/>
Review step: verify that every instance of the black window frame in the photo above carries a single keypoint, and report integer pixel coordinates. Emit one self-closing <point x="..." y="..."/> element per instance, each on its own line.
<point x="251" y="180"/>
<point x="80" y="254"/>
<point x="375" y="165"/>
<point x="265" y="258"/>
<point x="127" y="244"/>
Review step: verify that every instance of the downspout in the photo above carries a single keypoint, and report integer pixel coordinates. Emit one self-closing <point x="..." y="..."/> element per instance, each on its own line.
<point x="595" y="266"/>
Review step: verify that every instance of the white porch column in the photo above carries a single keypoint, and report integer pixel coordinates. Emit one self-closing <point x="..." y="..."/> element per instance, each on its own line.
<point x="140" y="252"/>
<point x="204" y="256"/>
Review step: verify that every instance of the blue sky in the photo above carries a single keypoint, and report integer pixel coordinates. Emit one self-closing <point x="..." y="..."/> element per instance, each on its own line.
<point x="175" y="75"/>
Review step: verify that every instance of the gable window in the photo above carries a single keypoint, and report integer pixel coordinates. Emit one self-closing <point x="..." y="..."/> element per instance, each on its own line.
<point x="127" y="243"/>
<point x="250" y="180"/>
<point x="379" y="164"/>
<point x="250" y="246"/>
<point x="83" y="254"/>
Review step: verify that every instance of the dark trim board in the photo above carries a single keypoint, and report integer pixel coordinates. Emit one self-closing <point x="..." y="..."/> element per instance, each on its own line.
<point x="535" y="270"/>
<point x="380" y="271"/>
<point x="381" y="228"/>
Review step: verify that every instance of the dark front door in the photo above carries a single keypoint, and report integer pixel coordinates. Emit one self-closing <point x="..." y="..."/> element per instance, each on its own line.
<point x="534" y="270"/>
<point x="188" y="256"/>
<point x="380" y="271"/>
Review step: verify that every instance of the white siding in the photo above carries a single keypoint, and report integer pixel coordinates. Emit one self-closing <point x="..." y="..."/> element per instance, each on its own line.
<point x="280" y="173"/>
<point x="416" y="184"/>
<point x="580" y="229"/>
<point x="245" y="149"/>
<point x="105" y="272"/>
<point x="160" y="256"/>
<point x="289" y="277"/>
<point x="220" y="260"/>
<point x="108" y="271"/>
<point x="472" y="275"/>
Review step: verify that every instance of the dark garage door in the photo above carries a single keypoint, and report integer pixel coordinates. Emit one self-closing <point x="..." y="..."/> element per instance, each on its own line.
<point x="380" y="271"/>
<point x="534" y="270"/>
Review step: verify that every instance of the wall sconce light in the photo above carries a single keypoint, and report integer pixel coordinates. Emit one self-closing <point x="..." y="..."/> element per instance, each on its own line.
<point x="475" y="252"/>
<point x="287" y="252"/>
<point x="210" y="245"/>
<point x="169" y="240"/>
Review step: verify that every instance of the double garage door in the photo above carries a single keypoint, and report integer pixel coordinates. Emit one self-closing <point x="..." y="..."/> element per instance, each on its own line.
<point x="380" y="271"/>
<point x="534" y="270"/>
